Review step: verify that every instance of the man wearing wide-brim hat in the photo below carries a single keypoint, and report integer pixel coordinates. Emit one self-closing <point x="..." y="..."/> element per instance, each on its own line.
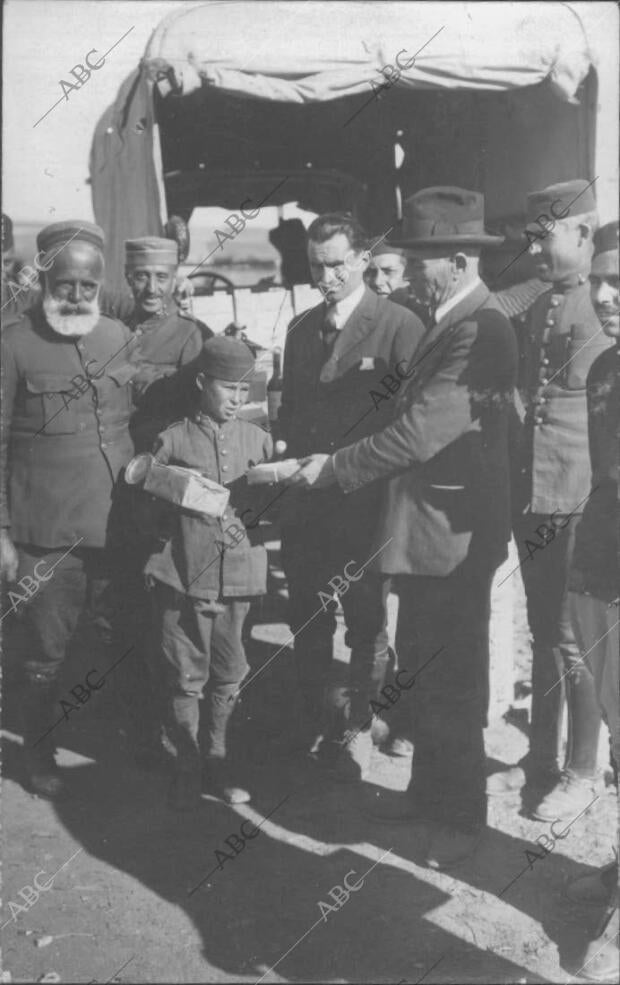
<point x="65" y="439"/>
<point x="559" y="342"/>
<point x="445" y="517"/>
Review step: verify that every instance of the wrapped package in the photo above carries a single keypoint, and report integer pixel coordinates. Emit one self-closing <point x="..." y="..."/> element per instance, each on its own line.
<point x="184" y="487"/>
<point x="269" y="472"/>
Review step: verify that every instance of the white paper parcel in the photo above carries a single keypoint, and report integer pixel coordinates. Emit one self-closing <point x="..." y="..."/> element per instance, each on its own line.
<point x="184" y="487"/>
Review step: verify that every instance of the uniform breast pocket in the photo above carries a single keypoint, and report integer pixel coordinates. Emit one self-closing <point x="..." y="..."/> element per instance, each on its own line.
<point x="579" y="356"/>
<point x="50" y="402"/>
<point x="114" y="386"/>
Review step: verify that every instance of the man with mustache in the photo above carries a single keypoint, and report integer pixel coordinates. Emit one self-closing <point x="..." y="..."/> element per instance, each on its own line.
<point x="340" y="358"/>
<point x="66" y="405"/>
<point x="559" y="343"/>
<point x="595" y="577"/>
<point x="444" y="516"/>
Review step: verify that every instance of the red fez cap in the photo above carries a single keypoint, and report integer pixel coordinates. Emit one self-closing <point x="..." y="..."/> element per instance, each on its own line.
<point x="151" y="249"/>
<point x="224" y="358"/>
<point x="606" y="253"/>
<point x="60" y="234"/>
<point x="567" y="198"/>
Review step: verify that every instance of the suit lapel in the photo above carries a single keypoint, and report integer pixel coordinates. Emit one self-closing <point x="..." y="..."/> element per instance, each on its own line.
<point x="358" y="325"/>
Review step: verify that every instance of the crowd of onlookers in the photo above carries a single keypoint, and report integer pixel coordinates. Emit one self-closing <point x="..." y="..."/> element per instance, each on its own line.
<point x="424" y="421"/>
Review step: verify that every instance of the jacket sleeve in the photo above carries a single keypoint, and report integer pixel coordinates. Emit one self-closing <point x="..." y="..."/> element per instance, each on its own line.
<point x="193" y="344"/>
<point x="435" y="415"/>
<point x="10" y="379"/>
<point x="287" y="406"/>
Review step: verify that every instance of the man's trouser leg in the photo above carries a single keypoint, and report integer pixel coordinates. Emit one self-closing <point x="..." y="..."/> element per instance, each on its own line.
<point x="556" y="662"/>
<point x="50" y="618"/>
<point x="365" y="614"/>
<point x="443" y="634"/>
<point x="596" y="629"/>
<point x="306" y="561"/>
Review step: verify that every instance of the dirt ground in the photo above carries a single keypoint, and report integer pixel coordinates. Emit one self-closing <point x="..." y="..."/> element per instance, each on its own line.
<point x="124" y="907"/>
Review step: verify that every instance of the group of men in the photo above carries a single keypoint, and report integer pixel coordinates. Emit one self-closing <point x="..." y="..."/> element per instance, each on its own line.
<point x="425" y="432"/>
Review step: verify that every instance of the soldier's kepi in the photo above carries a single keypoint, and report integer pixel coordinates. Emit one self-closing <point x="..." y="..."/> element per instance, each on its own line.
<point x="63" y="446"/>
<point x="559" y="343"/>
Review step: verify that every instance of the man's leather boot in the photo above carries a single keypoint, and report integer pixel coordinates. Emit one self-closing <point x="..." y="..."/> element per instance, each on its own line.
<point x="40" y="715"/>
<point x="578" y="784"/>
<point x="184" y="719"/>
<point x="218" y="774"/>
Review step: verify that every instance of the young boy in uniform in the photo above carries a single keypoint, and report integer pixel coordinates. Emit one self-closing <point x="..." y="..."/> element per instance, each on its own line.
<point x="207" y="570"/>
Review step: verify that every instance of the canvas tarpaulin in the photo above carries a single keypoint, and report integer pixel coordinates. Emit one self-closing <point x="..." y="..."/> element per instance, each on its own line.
<point x="270" y="77"/>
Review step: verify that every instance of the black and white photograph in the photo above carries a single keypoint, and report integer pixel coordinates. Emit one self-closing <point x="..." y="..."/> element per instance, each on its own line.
<point x="310" y="492"/>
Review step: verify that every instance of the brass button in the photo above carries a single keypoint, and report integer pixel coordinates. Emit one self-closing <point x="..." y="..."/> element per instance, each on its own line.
<point x="554" y="302"/>
<point x="224" y="468"/>
<point x="223" y="451"/>
<point x="549" y="320"/>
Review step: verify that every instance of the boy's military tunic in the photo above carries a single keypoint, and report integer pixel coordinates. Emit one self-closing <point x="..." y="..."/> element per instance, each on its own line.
<point x="204" y="557"/>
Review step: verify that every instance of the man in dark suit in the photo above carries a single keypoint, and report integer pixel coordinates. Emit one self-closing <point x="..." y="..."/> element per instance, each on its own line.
<point x="343" y="363"/>
<point x="445" y="514"/>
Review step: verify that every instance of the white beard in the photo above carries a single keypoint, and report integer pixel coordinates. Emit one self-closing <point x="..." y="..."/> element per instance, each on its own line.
<point x="70" y="325"/>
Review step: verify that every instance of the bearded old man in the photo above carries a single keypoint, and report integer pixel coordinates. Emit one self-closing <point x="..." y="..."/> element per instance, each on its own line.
<point x="66" y="404"/>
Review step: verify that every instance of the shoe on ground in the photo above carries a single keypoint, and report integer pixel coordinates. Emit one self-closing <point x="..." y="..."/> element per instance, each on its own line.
<point x="218" y="782"/>
<point x="42" y="776"/>
<point x="596" y="888"/>
<point x="353" y="760"/>
<point x="507" y="782"/>
<point x="185" y="790"/>
<point x="599" y="961"/>
<point x="568" y="798"/>
<point x="452" y="846"/>
<point x="399" y="746"/>
<point x="392" y="807"/>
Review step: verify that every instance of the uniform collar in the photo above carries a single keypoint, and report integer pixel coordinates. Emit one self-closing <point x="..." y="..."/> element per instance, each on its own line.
<point x="570" y="283"/>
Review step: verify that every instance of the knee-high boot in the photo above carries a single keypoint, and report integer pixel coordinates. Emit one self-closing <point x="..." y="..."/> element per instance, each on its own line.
<point x="40" y="715"/>
<point x="184" y="717"/>
<point x="220" y="704"/>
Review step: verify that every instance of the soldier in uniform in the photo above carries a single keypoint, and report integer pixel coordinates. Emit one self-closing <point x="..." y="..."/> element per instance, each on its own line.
<point x="339" y="359"/>
<point x="66" y="406"/>
<point x="164" y="342"/>
<point x="559" y="343"/>
<point x="595" y="577"/>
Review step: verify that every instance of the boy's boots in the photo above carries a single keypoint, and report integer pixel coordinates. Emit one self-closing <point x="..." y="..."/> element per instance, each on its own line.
<point x="185" y="716"/>
<point x="220" y="703"/>
<point x="40" y="714"/>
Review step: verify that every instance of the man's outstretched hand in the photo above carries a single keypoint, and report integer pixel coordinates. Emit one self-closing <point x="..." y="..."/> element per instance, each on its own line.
<point x="316" y="472"/>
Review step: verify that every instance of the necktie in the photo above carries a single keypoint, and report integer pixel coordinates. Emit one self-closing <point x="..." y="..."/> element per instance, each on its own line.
<point x="329" y="331"/>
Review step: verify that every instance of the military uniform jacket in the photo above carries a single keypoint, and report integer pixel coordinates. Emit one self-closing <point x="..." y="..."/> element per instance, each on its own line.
<point x="66" y="404"/>
<point x="446" y="452"/>
<point x="560" y="340"/>
<point x="378" y="339"/>
<point x="204" y="557"/>
<point x="162" y="345"/>
<point x="596" y="564"/>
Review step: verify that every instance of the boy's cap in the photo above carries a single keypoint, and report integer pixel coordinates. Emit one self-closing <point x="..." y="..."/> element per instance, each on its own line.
<point x="224" y="358"/>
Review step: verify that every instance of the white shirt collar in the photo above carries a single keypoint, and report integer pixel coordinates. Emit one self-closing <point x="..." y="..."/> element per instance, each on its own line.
<point x="451" y="303"/>
<point x="343" y="309"/>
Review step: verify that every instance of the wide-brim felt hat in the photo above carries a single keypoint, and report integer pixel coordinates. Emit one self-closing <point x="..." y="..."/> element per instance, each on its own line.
<point x="444" y="216"/>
